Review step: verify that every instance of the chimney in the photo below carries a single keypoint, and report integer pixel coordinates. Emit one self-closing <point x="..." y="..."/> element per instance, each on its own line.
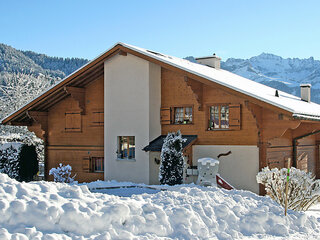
<point x="211" y="61"/>
<point x="305" y="92"/>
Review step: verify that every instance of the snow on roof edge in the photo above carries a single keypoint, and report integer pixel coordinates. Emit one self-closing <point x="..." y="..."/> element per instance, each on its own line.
<point x="56" y="84"/>
<point x="155" y="56"/>
<point x="211" y="79"/>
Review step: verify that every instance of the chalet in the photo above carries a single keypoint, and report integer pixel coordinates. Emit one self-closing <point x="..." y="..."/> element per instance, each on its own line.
<point x="108" y="119"/>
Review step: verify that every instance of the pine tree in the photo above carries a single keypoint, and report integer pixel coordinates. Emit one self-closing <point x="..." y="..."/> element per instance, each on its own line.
<point x="172" y="162"/>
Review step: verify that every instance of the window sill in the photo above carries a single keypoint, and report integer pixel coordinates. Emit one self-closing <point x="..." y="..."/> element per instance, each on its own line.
<point x="126" y="159"/>
<point x="182" y="123"/>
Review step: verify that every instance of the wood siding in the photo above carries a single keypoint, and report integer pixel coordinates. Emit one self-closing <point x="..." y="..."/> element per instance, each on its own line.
<point x="67" y="147"/>
<point x="176" y="92"/>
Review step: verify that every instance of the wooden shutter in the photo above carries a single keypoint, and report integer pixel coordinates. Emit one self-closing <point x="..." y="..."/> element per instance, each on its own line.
<point x="97" y="117"/>
<point x="165" y="116"/>
<point x="234" y="116"/>
<point x="86" y="164"/>
<point x="73" y="121"/>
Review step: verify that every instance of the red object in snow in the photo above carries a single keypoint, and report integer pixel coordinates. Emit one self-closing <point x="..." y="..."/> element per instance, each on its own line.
<point x="222" y="183"/>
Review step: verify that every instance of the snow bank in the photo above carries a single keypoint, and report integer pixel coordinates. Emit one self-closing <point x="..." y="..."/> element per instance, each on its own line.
<point x="47" y="210"/>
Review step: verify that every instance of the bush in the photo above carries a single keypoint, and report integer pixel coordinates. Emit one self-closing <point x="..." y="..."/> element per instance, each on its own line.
<point x="303" y="189"/>
<point x="28" y="161"/>
<point x="62" y="174"/>
<point x="9" y="160"/>
<point x="172" y="162"/>
<point x="19" y="161"/>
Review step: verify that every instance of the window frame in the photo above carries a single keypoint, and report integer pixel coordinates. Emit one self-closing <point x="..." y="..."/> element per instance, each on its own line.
<point x="184" y="107"/>
<point x="93" y="164"/>
<point x="130" y="155"/>
<point x="219" y="105"/>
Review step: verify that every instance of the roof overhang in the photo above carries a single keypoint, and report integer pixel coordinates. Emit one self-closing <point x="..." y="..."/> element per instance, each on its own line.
<point x="78" y="79"/>
<point x="95" y="68"/>
<point x="156" y="144"/>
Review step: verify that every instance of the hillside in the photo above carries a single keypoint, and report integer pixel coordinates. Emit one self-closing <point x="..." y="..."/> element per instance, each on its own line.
<point x="27" y="62"/>
<point x="285" y="74"/>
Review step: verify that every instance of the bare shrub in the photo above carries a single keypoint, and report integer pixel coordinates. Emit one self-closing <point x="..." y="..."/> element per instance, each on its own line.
<point x="303" y="189"/>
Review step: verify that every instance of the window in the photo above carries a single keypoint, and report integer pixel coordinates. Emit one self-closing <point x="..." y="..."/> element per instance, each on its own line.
<point x="183" y="115"/>
<point x="93" y="164"/>
<point x="97" y="164"/>
<point x="126" y="147"/>
<point x="218" y="117"/>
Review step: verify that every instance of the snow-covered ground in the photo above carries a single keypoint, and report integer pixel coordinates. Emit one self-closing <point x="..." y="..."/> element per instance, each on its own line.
<point x="46" y="210"/>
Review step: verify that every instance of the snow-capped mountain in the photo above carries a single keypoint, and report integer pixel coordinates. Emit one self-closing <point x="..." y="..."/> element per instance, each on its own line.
<point x="285" y="74"/>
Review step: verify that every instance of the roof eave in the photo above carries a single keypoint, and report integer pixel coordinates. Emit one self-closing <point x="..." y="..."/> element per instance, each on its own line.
<point x="59" y="85"/>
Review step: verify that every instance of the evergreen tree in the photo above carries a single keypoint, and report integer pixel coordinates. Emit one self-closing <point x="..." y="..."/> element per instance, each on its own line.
<point x="28" y="161"/>
<point x="18" y="161"/>
<point x="172" y="162"/>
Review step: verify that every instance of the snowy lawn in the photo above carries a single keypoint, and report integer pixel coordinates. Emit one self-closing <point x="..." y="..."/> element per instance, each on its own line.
<point x="46" y="210"/>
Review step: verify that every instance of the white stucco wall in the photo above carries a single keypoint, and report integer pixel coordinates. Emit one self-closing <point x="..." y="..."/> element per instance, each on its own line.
<point x="239" y="168"/>
<point x="127" y="110"/>
<point x="154" y="168"/>
<point x="154" y="100"/>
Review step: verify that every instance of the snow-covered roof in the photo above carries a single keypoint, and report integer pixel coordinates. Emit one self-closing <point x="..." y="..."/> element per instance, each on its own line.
<point x="290" y="103"/>
<point x="285" y="101"/>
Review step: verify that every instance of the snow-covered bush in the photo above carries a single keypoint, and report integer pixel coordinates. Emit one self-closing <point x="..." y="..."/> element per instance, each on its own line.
<point x="9" y="160"/>
<point x="62" y="174"/>
<point x="303" y="189"/>
<point x="172" y="162"/>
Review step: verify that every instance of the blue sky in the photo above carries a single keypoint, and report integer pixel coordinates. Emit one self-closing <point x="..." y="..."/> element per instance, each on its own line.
<point x="241" y="29"/>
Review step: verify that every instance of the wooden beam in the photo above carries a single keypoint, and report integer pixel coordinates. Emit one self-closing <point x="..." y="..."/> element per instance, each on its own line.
<point x="67" y="81"/>
<point x="122" y="53"/>
<point x="197" y="89"/>
<point x="89" y="78"/>
<point x="43" y="105"/>
<point x="50" y="104"/>
<point x="40" y="123"/>
<point x="77" y="94"/>
<point x="26" y="123"/>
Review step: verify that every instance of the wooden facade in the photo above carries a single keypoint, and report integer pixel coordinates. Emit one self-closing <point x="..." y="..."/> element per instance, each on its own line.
<point x="271" y="130"/>
<point x="75" y="135"/>
<point x="69" y="118"/>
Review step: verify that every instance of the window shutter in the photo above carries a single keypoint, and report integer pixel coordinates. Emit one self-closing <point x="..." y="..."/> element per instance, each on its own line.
<point x="165" y="116"/>
<point x="73" y="121"/>
<point x="234" y="116"/>
<point x="86" y="164"/>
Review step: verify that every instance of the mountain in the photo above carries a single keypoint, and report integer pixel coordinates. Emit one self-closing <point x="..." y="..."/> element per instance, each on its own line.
<point x="285" y="74"/>
<point x="27" y="62"/>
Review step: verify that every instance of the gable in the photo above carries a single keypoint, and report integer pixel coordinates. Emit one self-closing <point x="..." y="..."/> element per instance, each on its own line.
<point x="257" y="93"/>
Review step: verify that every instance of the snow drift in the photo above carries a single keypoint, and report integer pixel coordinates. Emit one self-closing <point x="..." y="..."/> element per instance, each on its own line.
<point x="47" y="210"/>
